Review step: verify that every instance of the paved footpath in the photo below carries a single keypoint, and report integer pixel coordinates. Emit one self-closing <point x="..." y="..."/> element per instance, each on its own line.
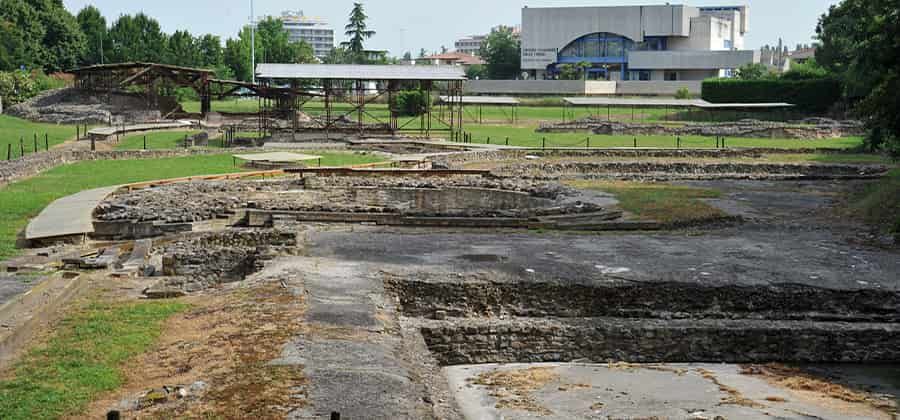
<point x="72" y="215"/>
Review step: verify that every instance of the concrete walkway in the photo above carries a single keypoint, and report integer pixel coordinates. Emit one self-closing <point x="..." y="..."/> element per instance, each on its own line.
<point x="68" y="216"/>
<point x="105" y="132"/>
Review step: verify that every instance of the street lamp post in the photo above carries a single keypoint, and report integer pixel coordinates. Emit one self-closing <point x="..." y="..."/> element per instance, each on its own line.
<point x="252" y="44"/>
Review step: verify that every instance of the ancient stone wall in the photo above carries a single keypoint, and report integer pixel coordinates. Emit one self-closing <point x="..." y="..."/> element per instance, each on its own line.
<point x="455" y="298"/>
<point x="213" y="258"/>
<point x="659" y="341"/>
<point x="807" y="129"/>
<point x="688" y="170"/>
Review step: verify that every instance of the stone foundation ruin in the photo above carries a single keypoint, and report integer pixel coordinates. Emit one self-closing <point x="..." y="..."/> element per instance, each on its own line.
<point x="808" y="129"/>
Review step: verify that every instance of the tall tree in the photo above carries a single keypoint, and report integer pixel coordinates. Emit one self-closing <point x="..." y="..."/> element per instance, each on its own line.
<point x="501" y="51"/>
<point x="357" y="31"/>
<point x="181" y="50"/>
<point x="93" y="25"/>
<point x="136" y="38"/>
<point x="237" y="54"/>
<point x="210" y="51"/>
<point x="859" y="42"/>
<point x="12" y="47"/>
<point x="50" y="34"/>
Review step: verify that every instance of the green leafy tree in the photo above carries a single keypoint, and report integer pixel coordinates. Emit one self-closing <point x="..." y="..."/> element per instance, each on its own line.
<point x="859" y="43"/>
<point x="568" y="72"/>
<point x="501" y="51"/>
<point x="50" y="34"/>
<point x="181" y="50"/>
<point x="752" y="71"/>
<point x="476" y="72"/>
<point x="277" y="46"/>
<point x="93" y="25"/>
<point x="210" y="51"/>
<point x="808" y="70"/>
<point x="136" y="38"/>
<point x="358" y="32"/>
<point x="407" y="56"/>
<point x="237" y="54"/>
<point x="13" y="52"/>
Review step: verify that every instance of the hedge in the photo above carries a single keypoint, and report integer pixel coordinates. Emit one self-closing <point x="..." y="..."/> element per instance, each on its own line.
<point x="810" y="95"/>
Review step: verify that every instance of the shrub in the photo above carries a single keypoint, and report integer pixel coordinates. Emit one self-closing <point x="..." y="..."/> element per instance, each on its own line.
<point x="412" y="102"/>
<point x="17" y="86"/>
<point x="683" y="93"/>
<point x="816" y="95"/>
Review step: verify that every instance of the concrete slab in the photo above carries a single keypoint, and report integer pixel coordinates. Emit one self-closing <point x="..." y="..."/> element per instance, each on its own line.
<point x="111" y="131"/>
<point x="72" y="215"/>
<point x="687" y="391"/>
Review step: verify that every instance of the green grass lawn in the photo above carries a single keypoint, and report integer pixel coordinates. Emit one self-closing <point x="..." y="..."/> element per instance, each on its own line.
<point x="81" y="358"/>
<point x="527" y="137"/>
<point x="12" y="129"/>
<point x="660" y="202"/>
<point x="155" y="140"/>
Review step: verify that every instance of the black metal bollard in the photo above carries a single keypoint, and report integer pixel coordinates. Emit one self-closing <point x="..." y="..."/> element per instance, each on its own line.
<point x="113" y="415"/>
<point x="544" y="143"/>
<point x="678" y="143"/>
<point x="145" y="142"/>
<point x="46" y="142"/>
<point x="587" y="143"/>
<point x="93" y="145"/>
<point x="21" y="147"/>
<point x="335" y="415"/>
<point x="723" y="142"/>
<point x="9" y="151"/>
<point x="635" y="142"/>
<point x="507" y="141"/>
<point x="77" y="132"/>
<point x="35" y="143"/>
<point x="489" y="140"/>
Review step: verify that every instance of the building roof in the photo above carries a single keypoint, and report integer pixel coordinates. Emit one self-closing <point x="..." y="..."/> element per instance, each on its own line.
<point x="358" y="72"/>
<point x="481" y="100"/>
<point x="135" y="65"/>
<point x="675" y="103"/>
<point x="458" y="58"/>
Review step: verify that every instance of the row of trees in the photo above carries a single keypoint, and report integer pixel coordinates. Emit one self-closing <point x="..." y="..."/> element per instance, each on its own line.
<point x="43" y="35"/>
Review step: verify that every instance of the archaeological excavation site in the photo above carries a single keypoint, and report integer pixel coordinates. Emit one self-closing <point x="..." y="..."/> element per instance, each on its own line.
<point x="325" y="256"/>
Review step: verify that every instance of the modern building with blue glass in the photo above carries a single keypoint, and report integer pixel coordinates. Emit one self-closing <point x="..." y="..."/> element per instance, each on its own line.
<point x="666" y="42"/>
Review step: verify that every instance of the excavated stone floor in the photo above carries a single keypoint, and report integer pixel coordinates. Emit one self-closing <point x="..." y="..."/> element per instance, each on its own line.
<point x="484" y="322"/>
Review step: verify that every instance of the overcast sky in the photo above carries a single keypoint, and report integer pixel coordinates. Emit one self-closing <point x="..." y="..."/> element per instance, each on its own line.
<point x="408" y="25"/>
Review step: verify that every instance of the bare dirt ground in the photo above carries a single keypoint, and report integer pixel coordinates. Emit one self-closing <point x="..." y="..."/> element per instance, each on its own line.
<point x="226" y="341"/>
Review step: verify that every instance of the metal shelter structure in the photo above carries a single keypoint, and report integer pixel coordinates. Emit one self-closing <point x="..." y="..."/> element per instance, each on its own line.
<point x="480" y="101"/>
<point x="350" y="98"/>
<point x="153" y="78"/>
<point x="689" y="104"/>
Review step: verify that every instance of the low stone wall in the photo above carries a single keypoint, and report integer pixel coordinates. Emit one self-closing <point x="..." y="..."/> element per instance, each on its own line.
<point x="458" y="298"/>
<point x="659" y="341"/>
<point x="688" y="170"/>
<point x="808" y="130"/>
<point x="31" y="165"/>
<point x="457" y="160"/>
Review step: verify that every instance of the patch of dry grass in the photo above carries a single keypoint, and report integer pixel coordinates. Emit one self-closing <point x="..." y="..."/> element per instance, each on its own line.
<point x="513" y="388"/>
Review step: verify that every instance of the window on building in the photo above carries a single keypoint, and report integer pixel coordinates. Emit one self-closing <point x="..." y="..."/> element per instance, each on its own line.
<point x="671" y="76"/>
<point x="729" y="44"/>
